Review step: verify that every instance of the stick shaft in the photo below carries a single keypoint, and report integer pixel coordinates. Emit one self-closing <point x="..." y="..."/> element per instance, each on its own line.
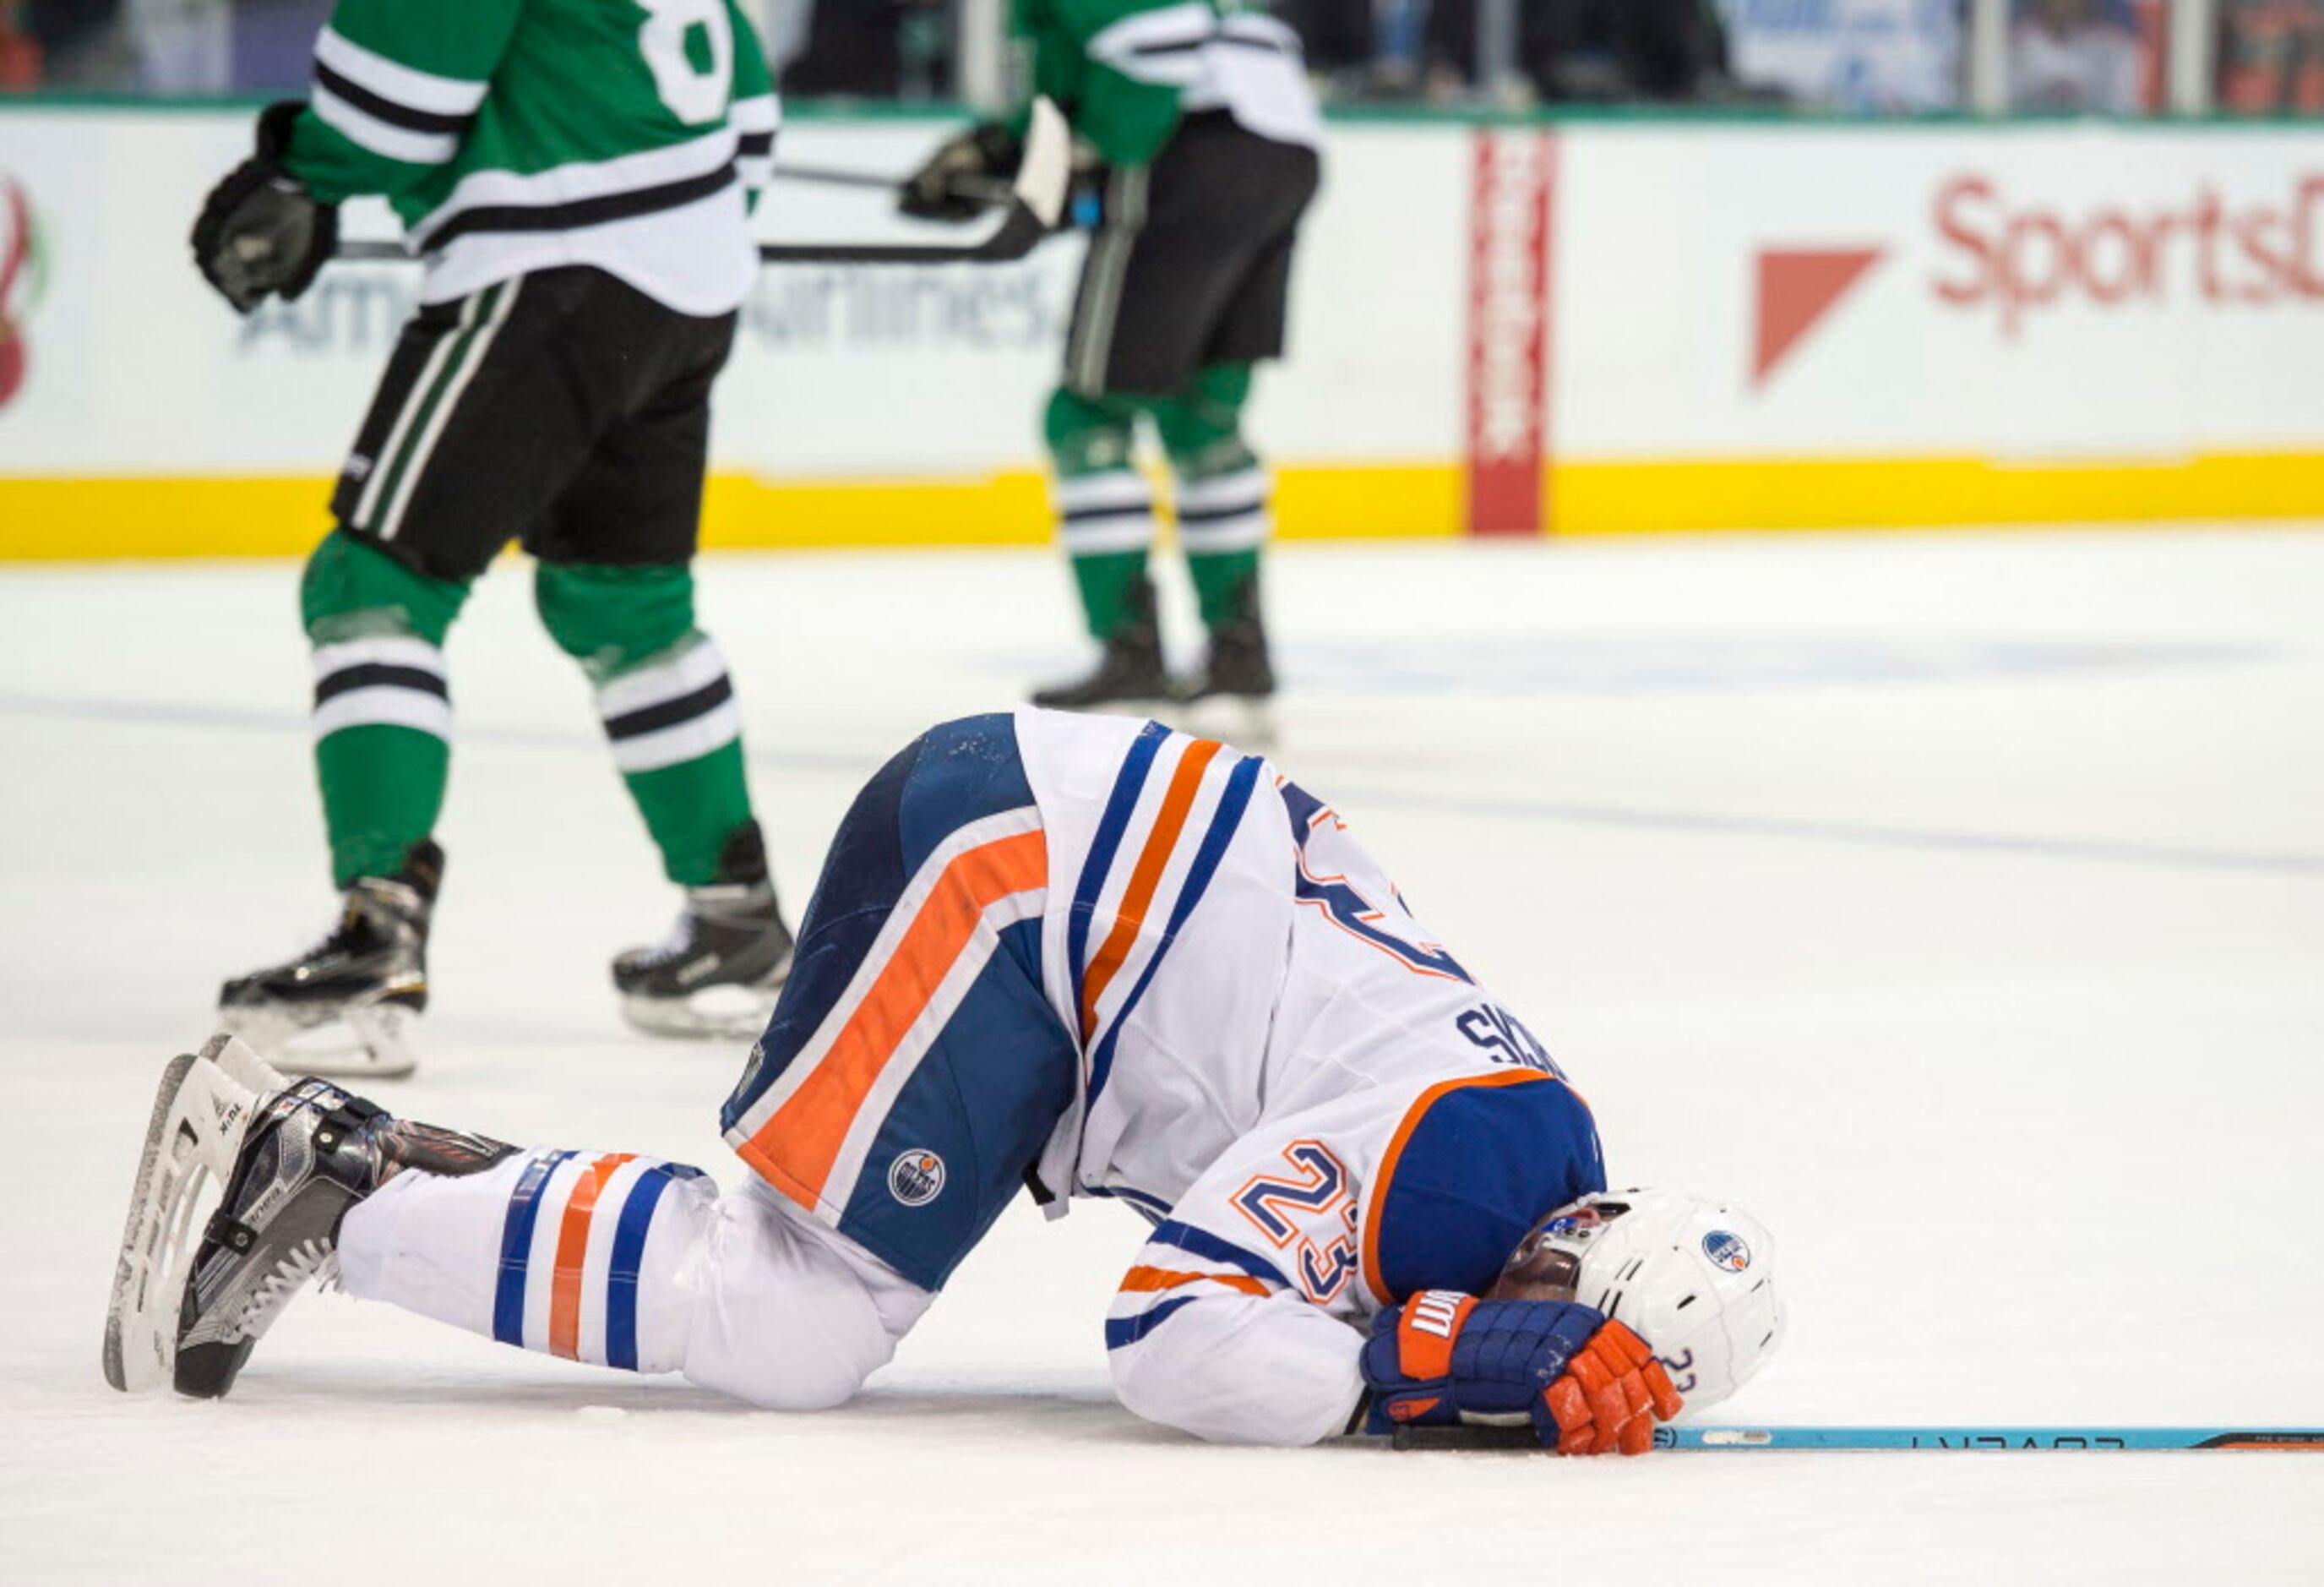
<point x="983" y="190"/>
<point x="1724" y="1439"/>
<point x="1014" y="238"/>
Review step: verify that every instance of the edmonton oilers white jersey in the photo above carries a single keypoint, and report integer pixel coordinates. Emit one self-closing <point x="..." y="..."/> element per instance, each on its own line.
<point x="1309" y="1097"/>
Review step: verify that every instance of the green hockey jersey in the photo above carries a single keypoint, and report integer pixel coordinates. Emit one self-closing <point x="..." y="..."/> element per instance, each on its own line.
<point x="513" y="136"/>
<point x="1125" y="70"/>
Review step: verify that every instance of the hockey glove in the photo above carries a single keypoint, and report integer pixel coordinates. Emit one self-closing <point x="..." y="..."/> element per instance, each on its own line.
<point x="260" y="231"/>
<point x="977" y="158"/>
<point x="1588" y="1385"/>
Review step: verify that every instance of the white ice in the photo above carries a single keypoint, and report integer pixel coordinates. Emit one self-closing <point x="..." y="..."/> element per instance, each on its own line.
<point x="1956" y="901"/>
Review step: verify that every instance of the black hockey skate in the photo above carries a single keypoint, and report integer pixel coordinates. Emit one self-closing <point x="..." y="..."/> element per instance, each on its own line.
<point x="346" y="1006"/>
<point x="1230" y="696"/>
<point x="292" y="1157"/>
<point x="719" y="971"/>
<point x="1129" y="674"/>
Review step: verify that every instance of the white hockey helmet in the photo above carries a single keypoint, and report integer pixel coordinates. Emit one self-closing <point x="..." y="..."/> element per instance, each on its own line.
<point x="1695" y="1279"/>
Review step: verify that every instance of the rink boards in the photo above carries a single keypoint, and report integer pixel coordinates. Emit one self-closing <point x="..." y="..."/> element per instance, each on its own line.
<point x="1578" y="328"/>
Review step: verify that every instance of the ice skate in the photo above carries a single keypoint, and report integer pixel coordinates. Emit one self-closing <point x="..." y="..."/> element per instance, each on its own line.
<point x="347" y="1005"/>
<point x="724" y="963"/>
<point x="287" y="1160"/>
<point x="1232" y="697"/>
<point x="1128" y="676"/>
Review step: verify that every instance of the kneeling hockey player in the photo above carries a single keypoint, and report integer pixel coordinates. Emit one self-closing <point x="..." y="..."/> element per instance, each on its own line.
<point x="1208" y="131"/>
<point x="576" y="184"/>
<point x="1082" y="954"/>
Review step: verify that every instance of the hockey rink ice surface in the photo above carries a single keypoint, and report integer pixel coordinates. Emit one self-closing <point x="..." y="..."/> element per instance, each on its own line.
<point x="1956" y="901"/>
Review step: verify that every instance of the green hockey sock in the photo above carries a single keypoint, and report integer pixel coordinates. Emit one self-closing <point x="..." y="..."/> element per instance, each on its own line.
<point x="1226" y="585"/>
<point x="1109" y="583"/>
<point x="382" y="716"/>
<point x="1104" y="505"/>
<point x="1222" y="495"/>
<point x="665" y="699"/>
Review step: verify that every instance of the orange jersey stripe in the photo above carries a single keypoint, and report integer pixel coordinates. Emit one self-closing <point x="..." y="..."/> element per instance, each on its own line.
<point x="1147" y="876"/>
<point x="1378" y="1200"/>
<point x="1147" y="1280"/>
<point x="797" y="1147"/>
<point x="573" y="1254"/>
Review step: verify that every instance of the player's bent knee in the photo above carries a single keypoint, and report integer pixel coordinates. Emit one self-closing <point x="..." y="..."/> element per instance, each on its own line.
<point x="782" y="1322"/>
<point x="352" y="587"/>
<point x="612" y="618"/>
<point x="1084" y="434"/>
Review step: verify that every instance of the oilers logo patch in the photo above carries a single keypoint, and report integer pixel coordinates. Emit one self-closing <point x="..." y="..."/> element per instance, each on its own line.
<point x="916" y="1177"/>
<point x="1726" y="1250"/>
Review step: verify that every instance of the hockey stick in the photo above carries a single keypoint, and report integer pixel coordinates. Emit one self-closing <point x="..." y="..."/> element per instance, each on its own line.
<point x="1857" y="1438"/>
<point x="1035" y="199"/>
<point x="987" y="191"/>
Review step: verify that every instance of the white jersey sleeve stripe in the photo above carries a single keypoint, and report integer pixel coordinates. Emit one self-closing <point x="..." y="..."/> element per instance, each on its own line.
<point x="408" y="85"/>
<point x="380" y="136"/>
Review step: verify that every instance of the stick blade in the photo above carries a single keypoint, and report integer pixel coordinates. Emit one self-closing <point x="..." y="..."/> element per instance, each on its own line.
<point x="1046" y="170"/>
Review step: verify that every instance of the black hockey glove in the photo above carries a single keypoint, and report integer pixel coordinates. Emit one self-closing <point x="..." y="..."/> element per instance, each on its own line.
<point x="260" y="231"/>
<point x="979" y="157"/>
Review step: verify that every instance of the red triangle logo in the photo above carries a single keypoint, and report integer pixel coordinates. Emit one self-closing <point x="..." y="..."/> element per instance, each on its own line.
<point x="1797" y="287"/>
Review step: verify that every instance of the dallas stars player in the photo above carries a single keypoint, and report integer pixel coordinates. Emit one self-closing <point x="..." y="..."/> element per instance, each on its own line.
<point x="1203" y="118"/>
<point x="577" y="175"/>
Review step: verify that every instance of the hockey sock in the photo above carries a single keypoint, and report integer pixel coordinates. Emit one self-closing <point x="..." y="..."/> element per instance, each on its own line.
<point x="634" y="1262"/>
<point x="383" y="716"/>
<point x="573" y="1253"/>
<point x="665" y="699"/>
<point x="1222" y="495"/>
<point x="1105" y="506"/>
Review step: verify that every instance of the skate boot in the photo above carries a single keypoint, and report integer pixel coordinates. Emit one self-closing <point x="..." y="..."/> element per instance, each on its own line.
<point x="1129" y="675"/>
<point x="1228" y="697"/>
<point x="292" y="1158"/>
<point x="346" y="1006"/>
<point x="719" y="971"/>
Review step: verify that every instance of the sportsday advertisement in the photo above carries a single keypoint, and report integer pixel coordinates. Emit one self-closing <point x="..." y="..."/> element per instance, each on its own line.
<point x="1543" y="328"/>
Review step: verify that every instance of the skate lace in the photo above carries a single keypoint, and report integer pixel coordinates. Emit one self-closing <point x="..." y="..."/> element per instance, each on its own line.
<point x="309" y="1259"/>
<point x="676" y="943"/>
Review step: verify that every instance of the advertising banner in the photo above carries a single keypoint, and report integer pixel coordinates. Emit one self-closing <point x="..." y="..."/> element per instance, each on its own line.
<point x="1583" y="328"/>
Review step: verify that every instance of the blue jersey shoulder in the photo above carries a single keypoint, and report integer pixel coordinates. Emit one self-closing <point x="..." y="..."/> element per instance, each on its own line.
<point x="1477" y="1167"/>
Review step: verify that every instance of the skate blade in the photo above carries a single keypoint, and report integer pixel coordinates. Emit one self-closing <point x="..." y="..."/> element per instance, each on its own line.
<point x="200" y="1111"/>
<point x="373" y="1042"/>
<point x="1244" y="721"/>
<point x="715" y="1013"/>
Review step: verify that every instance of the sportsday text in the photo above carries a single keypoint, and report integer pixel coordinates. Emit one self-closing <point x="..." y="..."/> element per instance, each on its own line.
<point x="2021" y="258"/>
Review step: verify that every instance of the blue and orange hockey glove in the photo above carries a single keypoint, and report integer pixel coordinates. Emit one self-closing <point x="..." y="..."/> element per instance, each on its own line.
<point x="1589" y="1386"/>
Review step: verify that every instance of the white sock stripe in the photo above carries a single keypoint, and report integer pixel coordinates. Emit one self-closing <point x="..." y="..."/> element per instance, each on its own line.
<point x="385" y="706"/>
<point x="1226" y="490"/>
<point x="392" y="80"/>
<point x="425" y="447"/>
<point x="386" y="650"/>
<point x="368" y="132"/>
<point x="1238" y="533"/>
<point x="687" y="741"/>
<point x="1086" y="493"/>
<point x="696" y="666"/>
<point x="597" y="1255"/>
<point x="1108" y="534"/>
